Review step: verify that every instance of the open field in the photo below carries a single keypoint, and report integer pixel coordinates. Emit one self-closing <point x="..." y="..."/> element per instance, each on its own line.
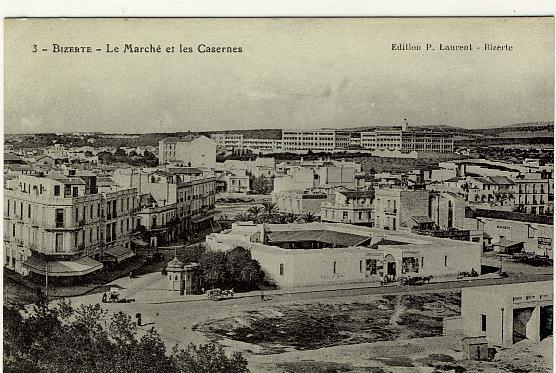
<point x="315" y="325"/>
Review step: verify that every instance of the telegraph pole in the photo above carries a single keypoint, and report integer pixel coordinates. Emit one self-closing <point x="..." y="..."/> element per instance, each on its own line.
<point x="46" y="282"/>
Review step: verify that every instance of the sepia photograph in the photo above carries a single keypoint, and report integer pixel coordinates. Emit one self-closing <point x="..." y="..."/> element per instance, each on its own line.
<point x="282" y="195"/>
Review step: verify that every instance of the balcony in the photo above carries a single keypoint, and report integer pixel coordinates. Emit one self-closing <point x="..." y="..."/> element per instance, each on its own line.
<point x="81" y="223"/>
<point x="59" y="224"/>
<point x="390" y="211"/>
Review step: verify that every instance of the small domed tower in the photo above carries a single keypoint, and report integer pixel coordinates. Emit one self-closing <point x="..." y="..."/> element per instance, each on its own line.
<point x="176" y="275"/>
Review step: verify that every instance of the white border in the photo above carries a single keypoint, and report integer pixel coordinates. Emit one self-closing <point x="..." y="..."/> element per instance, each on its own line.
<point x="266" y="8"/>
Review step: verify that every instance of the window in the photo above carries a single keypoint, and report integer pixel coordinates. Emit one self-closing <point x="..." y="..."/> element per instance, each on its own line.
<point x="334" y="268"/>
<point x="422" y="262"/>
<point x="445" y="260"/>
<point x="8" y="209"/>
<point x="483" y="323"/>
<point x="360" y="266"/>
<point x="59" y="218"/>
<point x="75" y="192"/>
<point x="281" y="269"/>
<point x="76" y="214"/>
<point x="59" y="242"/>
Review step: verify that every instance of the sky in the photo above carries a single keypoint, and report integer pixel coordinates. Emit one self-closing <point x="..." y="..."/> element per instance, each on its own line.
<point x="293" y="73"/>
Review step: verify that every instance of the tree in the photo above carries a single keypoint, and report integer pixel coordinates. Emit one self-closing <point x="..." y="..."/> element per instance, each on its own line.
<point x="245" y="273"/>
<point x="242" y="216"/>
<point x="208" y="358"/>
<point x="255" y="213"/>
<point x="270" y="208"/>
<point x="63" y="339"/>
<point x="261" y="184"/>
<point x="309" y="217"/>
<point x="290" y="217"/>
<point x="120" y="153"/>
<point x="215" y="269"/>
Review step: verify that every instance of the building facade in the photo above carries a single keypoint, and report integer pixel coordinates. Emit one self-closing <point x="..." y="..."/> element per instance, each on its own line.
<point x="507" y="314"/>
<point x="294" y="255"/>
<point x="352" y="207"/>
<point x="395" y="208"/>
<point x="55" y="224"/>
<point x="188" y="151"/>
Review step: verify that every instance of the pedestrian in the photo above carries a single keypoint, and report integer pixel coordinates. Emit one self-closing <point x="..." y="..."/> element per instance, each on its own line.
<point x="104" y="298"/>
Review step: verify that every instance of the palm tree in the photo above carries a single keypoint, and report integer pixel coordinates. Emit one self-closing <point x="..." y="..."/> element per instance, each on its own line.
<point x="255" y="213"/>
<point x="242" y="216"/>
<point x="289" y="217"/>
<point x="309" y="217"/>
<point x="270" y="208"/>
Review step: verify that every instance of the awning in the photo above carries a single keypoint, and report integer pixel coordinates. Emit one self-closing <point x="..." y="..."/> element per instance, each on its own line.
<point x="63" y="268"/>
<point x="422" y="219"/>
<point x="506" y="243"/>
<point x="139" y="242"/>
<point x="117" y="253"/>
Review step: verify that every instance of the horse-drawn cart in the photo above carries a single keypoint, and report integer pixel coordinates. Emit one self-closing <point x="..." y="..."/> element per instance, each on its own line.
<point x="218" y="294"/>
<point x="415" y="280"/>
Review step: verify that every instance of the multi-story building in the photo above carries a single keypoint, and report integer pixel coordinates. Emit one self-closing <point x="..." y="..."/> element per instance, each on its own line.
<point x="353" y="207"/>
<point x="187" y="151"/>
<point x="447" y="210"/>
<point x="188" y="188"/>
<point x="427" y="141"/>
<point x="316" y="140"/>
<point x="262" y="145"/>
<point x="120" y="210"/>
<point x="299" y="202"/>
<point x="302" y="178"/>
<point x="534" y="192"/>
<point x="57" y="225"/>
<point x="395" y="208"/>
<point x="342" y="139"/>
<point x="236" y="181"/>
<point x="158" y="220"/>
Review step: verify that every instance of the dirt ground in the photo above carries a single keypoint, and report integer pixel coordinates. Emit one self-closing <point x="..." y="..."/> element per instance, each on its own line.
<point x="315" y="325"/>
<point x="397" y="333"/>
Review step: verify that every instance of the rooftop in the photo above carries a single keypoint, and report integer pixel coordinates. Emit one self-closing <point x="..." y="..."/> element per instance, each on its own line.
<point x="336" y="239"/>
<point x="358" y="193"/>
<point x="509" y="215"/>
<point x="513" y="289"/>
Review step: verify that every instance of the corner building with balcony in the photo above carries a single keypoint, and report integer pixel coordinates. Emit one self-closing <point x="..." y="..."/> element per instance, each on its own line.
<point x="55" y="225"/>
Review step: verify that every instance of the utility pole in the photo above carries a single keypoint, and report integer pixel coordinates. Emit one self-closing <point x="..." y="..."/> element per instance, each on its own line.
<point x="46" y="282"/>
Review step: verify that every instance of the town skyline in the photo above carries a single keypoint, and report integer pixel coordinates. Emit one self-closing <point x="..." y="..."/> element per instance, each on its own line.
<point x="353" y="129"/>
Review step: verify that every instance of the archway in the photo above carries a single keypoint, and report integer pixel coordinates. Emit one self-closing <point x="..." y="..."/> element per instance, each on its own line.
<point x="390" y="264"/>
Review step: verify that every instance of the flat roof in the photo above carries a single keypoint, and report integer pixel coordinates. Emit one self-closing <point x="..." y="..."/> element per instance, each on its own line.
<point x="517" y="288"/>
<point x="339" y="239"/>
<point x="509" y="215"/>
